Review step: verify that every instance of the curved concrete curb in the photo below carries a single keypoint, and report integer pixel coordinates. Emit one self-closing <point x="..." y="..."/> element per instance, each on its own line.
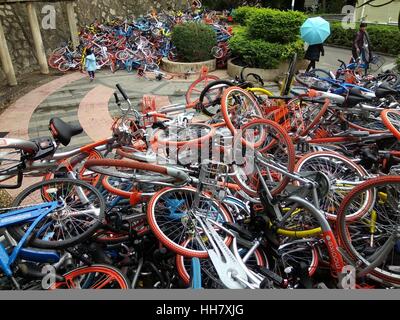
<point x="266" y="74"/>
<point x="187" y="67"/>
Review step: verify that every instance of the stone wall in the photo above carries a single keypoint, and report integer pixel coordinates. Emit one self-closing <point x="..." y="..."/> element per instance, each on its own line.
<point x="16" y="26"/>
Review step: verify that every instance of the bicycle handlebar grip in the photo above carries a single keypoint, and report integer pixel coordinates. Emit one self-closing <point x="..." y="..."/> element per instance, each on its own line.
<point x="116" y="98"/>
<point x="122" y="91"/>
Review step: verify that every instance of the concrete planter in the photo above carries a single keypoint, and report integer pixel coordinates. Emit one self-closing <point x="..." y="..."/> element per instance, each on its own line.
<point x="186" y="67"/>
<point x="266" y="74"/>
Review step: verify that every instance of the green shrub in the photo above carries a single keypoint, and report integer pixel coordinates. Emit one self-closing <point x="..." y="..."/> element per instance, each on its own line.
<point x="258" y="53"/>
<point x="242" y="14"/>
<point x="275" y="25"/>
<point x="194" y="41"/>
<point x="384" y="39"/>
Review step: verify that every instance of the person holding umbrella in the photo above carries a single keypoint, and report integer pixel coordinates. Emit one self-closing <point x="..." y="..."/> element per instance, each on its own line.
<point x="315" y="31"/>
<point x="313" y="53"/>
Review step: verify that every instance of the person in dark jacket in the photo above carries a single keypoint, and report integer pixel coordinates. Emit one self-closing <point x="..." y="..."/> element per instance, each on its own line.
<point x="362" y="46"/>
<point x="313" y="53"/>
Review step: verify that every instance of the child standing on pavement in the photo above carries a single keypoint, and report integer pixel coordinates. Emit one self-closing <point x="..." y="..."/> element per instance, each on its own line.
<point x="91" y="65"/>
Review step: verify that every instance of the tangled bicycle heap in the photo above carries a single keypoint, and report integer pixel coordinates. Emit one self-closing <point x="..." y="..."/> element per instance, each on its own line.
<point x="137" y="43"/>
<point x="297" y="191"/>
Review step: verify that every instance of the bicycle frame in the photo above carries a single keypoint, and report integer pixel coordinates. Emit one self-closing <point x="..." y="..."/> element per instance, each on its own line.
<point x="51" y="163"/>
<point x="35" y="214"/>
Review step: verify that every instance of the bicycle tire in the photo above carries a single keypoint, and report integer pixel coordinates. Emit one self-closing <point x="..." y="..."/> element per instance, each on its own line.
<point x="290" y="165"/>
<point x="344" y="161"/>
<point x="189" y="99"/>
<point x="344" y="231"/>
<point x="184" y="195"/>
<point x="64" y="66"/>
<point x="121" y="282"/>
<point x="17" y="231"/>
<point x="54" y="60"/>
<point x="317" y="118"/>
<point x="255" y="111"/>
<point x="389" y="123"/>
<point x="372" y="127"/>
<point x="205" y="91"/>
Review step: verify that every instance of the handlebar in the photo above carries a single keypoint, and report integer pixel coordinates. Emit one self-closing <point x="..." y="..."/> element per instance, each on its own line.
<point x="122" y="91"/>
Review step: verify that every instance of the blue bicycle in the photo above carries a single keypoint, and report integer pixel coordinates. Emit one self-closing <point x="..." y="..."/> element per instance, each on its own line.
<point x="53" y="214"/>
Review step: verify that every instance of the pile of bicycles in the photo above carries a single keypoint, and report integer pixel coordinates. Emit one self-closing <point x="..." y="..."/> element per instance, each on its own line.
<point x="137" y="43"/>
<point x="261" y="192"/>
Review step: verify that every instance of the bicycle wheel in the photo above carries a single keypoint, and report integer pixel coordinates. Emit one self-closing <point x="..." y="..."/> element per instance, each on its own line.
<point x="195" y="89"/>
<point x="238" y="108"/>
<point x="170" y="215"/>
<point x="123" y="55"/>
<point x="275" y="148"/>
<point x="210" y="96"/>
<point x="64" y="66"/>
<point x="370" y="123"/>
<point x="217" y="52"/>
<point x="364" y="237"/>
<point x="391" y="119"/>
<point x="342" y="175"/>
<point x="80" y="216"/>
<point x="311" y="115"/>
<point x="59" y="51"/>
<point x="94" y="277"/>
<point x="310" y="81"/>
<point x="54" y="60"/>
<point x="293" y="253"/>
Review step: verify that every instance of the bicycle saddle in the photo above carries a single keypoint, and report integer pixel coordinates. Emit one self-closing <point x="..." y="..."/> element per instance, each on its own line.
<point x="356" y="96"/>
<point x="63" y="131"/>
<point x="384" y="90"/>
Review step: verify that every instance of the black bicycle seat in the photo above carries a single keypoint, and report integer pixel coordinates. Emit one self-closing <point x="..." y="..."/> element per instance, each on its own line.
<point x="384" y="90"/>
<point x="356" y="96"/>
<point x="63" y="131"/>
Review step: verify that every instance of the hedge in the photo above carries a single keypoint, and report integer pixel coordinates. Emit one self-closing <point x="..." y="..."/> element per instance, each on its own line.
<point x="275" y="25"/>
<point x="258" y="53"/>
<point x="384" y="39"/>
<point x="242" y="14"/>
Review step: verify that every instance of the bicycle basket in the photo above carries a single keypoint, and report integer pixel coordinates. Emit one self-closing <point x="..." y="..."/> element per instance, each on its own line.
<point x="213" y="178"/>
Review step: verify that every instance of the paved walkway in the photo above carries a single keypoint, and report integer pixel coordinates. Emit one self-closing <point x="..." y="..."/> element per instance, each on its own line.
<point x="91" y="104"/>
<point x="332" y="54"/>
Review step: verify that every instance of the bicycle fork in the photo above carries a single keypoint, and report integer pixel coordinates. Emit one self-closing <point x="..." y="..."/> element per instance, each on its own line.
<point x="231" y="270"/>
